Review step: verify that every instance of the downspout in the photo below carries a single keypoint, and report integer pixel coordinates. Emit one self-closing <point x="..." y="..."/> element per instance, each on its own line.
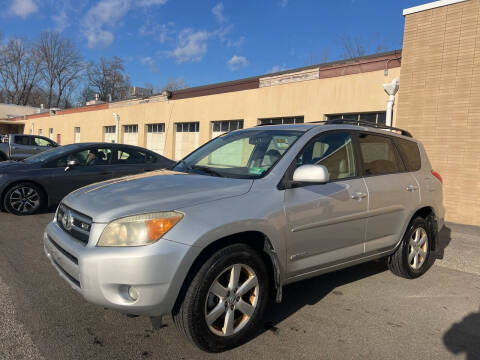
<point x="391" y="89"/>
<point x="116" y="117"/>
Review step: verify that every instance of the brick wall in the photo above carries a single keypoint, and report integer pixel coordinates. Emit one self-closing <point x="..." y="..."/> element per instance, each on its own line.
<point x="439" y="101"/>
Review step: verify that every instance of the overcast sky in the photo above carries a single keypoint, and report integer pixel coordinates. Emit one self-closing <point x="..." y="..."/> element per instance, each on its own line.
<point x="206" y="41"/>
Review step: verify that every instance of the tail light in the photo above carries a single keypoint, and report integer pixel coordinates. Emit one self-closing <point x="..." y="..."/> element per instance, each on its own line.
<point x="437" y="175"/>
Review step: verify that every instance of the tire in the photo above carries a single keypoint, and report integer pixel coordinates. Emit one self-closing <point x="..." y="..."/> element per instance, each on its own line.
<point x="199" y="301"/>
<point x="411" y="259"/>
<point x="3" y="157"/>
<point x="24" y="199"/>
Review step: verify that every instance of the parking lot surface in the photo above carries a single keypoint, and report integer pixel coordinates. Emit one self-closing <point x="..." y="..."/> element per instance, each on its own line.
<point x="362" y="312"/>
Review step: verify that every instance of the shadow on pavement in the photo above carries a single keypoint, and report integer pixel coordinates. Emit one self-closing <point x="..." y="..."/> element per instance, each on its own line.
<point x="443" y="240"/>
<point x="311" y="291"/>
<point x="464" y="337"/>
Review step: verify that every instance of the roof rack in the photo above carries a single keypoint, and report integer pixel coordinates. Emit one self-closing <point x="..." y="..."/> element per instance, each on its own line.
<point x="363" y="123"/>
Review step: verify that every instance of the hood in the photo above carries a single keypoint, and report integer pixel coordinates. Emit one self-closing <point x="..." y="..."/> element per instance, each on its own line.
<point x="10" y="165"/>
<point x="156" y="191"/>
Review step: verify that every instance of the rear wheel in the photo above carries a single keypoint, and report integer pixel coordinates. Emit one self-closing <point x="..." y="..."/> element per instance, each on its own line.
<point x="411" y="258"/>
<point x="224" y="304"/>
<point x="23" y="199"/>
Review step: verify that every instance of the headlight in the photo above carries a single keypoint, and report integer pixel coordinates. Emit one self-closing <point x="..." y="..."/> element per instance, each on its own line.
<point x="139" y="230"/>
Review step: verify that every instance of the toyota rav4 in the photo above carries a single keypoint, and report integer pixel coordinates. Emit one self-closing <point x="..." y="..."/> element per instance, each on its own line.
<point x="211" y="240"/>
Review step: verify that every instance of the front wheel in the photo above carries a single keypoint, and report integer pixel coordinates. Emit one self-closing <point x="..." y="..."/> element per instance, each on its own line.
<point x="224" y="304"/>
<point x="23" y="199"/>
<point x="410" y="260"/>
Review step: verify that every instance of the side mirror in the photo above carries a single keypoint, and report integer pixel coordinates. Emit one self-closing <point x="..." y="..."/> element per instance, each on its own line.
<point x="311" y="174"/>
<point x="71" y="164"/>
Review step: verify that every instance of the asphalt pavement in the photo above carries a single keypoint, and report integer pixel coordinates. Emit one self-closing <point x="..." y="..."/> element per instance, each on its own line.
<point x="364" y="312"/>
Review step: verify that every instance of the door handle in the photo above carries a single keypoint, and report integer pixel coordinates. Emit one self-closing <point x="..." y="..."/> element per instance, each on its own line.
<point x="358" y="196"/>
<point x="411" y="188"/>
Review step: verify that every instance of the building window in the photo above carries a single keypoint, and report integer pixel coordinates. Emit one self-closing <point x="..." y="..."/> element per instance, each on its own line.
<point x="40" y="132"/>
<point x="77" y="134"/>
<point x="188" y="127"/>
<point x="110" y="134"/>
<point x="156" y="128"/>
<point x="282" y="120"/>
<point x="110" y="129"/>
<point x="373" y="117"/>
<point x="226" y="126"/>
<point x="50" y="133"/>
<point x="130" y="129"/>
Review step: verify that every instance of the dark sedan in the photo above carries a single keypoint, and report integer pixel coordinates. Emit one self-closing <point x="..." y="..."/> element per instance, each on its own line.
<point x="44" y="179"/>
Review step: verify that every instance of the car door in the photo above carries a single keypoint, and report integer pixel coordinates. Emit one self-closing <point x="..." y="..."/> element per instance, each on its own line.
<point x="131" y="161"/>
<point x="326" y="221"/>
<point x="393" y="192"/>
<point x="89" y="169"/>
<point x="21" y="147"/>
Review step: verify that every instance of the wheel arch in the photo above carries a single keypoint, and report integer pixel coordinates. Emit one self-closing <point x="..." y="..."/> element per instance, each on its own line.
<point x="257" y="240"/>
<point x="427" y="213"/>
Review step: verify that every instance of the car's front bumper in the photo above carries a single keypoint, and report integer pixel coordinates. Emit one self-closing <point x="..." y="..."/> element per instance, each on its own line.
<point x="103" y="275"/>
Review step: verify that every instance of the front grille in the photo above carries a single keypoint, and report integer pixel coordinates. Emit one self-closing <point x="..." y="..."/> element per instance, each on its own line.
<point x="74" y="223"/>
<point x="63" y="251"/>
<point x="67" y="275"/>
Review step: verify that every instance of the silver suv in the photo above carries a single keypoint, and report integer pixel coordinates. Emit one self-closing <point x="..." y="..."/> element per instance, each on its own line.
<point x="211" y="240"/>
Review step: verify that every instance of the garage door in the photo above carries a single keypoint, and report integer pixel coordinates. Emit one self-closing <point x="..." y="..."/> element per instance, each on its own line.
<point x="130" y="134"/>
<point x="221" y="127"/>
<point x="110" y="135"/>
<point x="156" y="138"/>
<point x="77" y="135"/>
<point x="186" y="138"/>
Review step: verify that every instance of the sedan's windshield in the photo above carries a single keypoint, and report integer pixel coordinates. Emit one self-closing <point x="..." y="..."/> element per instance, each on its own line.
<point x="243" y="154"/>
<point x="49" y="154"/>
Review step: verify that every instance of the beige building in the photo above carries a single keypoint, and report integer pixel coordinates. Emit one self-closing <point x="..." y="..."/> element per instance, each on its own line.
<point x="438" y="101"/>
<point x="175" y="124"/>
<point x="11" y="111"/>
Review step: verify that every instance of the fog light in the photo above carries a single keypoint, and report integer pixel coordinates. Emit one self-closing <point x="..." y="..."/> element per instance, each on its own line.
<point x="133" y="293"/>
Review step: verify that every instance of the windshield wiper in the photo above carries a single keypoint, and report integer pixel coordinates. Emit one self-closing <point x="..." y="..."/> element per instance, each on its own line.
<point x="207" y="170"/>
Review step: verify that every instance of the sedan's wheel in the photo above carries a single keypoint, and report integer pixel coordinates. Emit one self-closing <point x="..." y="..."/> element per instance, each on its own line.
<point x="410" y="260"/>
<point x="23" y="199"/>
<point x="225" y="301"/>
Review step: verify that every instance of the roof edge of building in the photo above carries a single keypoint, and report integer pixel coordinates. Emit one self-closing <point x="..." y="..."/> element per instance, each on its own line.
<point x="429" y="6"/>
<point x="327" y="70"/>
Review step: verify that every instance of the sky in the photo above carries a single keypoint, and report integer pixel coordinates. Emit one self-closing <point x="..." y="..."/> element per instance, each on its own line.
<point x="209" y="41"/>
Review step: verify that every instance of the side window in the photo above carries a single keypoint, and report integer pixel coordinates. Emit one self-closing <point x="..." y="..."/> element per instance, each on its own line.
<point x="332" y="150"/>
<point x="90" y="157"/>
<point x="410" y="154"/>
<point x="42" y="142"/>
<point x="23" y="140"/>
<point x="131" y="156"/>
<point x="378" y="155"/>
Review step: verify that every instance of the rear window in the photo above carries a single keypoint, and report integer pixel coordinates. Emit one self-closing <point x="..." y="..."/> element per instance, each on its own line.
<point x="410" y="154"/>
<point x="23" y="140"/>
<point x="378" y="155"/>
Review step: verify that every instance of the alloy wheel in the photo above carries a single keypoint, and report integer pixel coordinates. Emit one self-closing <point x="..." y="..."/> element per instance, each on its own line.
<point x="417" y="248"/>
<point x="231" y="300"/>
<point x="24" y="199"/>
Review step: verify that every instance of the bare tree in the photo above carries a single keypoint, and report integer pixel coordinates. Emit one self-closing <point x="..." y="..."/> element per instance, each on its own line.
<point x="108" y="78"/>
<point x="173" y="84"/>
<point x="353" y="47"/>
<point x="61" y="66"/>
<point x="19" y="70"/>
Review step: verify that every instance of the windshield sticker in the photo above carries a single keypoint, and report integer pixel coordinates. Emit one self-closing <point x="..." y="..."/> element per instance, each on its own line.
<point x="257" y="170"/>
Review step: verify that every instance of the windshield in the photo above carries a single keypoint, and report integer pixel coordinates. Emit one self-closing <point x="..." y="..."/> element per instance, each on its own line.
<point x="49" y="154"/>
<point x="242" y="155"/>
